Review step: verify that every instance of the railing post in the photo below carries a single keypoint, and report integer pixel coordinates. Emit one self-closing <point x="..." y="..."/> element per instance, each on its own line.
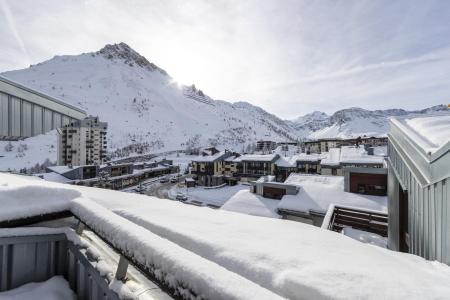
<point x="121" y="272"/>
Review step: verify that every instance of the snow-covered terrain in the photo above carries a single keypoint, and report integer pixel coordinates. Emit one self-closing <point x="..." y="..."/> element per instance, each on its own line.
<point x="34" y="153"/>
<point x="219" y="254"/>
<point x="353" y="122"/>
<point x="146" y="109"/>
<point x="143" y="104"/>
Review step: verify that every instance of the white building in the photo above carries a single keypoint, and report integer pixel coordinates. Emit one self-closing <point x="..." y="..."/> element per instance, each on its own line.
<point x="82" y="142"/>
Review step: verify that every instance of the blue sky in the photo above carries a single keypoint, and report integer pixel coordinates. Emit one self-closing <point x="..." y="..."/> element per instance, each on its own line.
<point x="289" y="57"/>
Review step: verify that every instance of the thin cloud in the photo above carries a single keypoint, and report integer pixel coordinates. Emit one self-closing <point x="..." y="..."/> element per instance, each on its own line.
<point x="12" y="25"/>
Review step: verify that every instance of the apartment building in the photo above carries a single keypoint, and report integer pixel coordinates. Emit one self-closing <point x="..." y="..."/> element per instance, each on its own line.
<point x="82" y="142"/>
<point x="209" y="170"/>
<point x="265" y="145"/>
<point x="253" y="166"/>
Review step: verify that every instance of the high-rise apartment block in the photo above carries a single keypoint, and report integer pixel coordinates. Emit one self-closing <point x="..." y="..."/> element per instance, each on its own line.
<point x="82" y="142"/>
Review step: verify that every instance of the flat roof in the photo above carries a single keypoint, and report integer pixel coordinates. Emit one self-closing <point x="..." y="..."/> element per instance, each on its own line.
<point x="318" y="192"/>
<point x="429" y="132"/>
<point x="37" y="93"/>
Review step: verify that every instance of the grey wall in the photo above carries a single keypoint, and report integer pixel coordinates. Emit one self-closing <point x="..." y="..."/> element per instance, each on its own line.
<point x="20" y="118"/>
<point x="428" y="210"/>
<point x="37" y="258"/>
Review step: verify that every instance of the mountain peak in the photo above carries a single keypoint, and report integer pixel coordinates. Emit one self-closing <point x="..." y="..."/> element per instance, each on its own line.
<point x="122" y="51"/>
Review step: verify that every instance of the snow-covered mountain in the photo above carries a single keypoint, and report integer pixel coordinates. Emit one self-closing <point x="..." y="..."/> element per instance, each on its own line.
<point x="148" y="111"/>
<point x="144" y="105"/>
<point x="352" y="122"/>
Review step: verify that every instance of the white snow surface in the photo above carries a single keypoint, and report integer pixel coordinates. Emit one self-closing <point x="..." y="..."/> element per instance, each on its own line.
<point x="252" y="204"/>
<point x="141" y="103"/>
<point x="317" y="192"/>
<point x="365" y="237"/>
<point x="226" y="255"/>
<point x="55" y="288"/>
<point x="435" y="130"/>
<point x="29" y="152"/>
<point x="215" y="196"/>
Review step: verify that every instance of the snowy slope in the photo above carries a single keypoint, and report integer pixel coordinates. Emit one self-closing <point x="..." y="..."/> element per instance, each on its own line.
<point x="143" y="104"/>
<point x="33" y="153"/>
<point x="352" y="122"/>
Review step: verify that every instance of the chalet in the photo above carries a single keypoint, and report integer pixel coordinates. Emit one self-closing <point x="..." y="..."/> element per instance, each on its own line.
<point x="283" y="167"/>
<point x="419" y="186"/>
<point x="253" y="166"/>
<point x="208" y="170"/>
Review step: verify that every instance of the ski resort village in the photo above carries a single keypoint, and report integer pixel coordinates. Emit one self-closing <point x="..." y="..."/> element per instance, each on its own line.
<point x="119" y="182"/>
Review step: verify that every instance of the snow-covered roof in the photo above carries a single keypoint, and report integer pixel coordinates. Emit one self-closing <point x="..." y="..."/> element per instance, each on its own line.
<point x="430" y="133"/>
<point x="257" y="157"/>
<point x="309" y="157"/>
<point x="252" y="204"/>
<point x="317" y="192"/>
<point x="225" y="255"/>
<point x="61" y="169"/>
<point x="53" y="176"/>
<point x="332" y="158"/>
<point x="285" y="162"/>
<point x="351" y="154"/>
<point x="209" y="158"/>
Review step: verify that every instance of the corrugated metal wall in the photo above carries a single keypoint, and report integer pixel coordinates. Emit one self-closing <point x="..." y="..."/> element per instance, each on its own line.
<point x="20" y="118"/>
<point x="428" y="212"/>
<point x="37" y="258"/>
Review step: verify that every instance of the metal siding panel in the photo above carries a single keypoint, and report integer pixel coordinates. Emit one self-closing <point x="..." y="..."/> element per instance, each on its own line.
<point x="426" y="230"/>
<point x="3" y="114"/>
<point x="446" y="210"/>
<point x="48" y="120"/>
<point x="57" y="120"/>
<point x="37" y="120"/>
<point x="42" y="261"/>
<point x="65" y="120"/>
<point x="26" y="119"/>
<point x="15" y="116"/>
<point x="432" y="222"/>
<point x="393" y="228"/>
<point x="438" y="220"/>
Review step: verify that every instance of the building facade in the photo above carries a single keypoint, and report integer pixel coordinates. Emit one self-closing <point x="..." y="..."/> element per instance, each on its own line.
<point x="419" y="187"/>
<point x="265" y="145"/>
<point x="82" y="142"/>
<point x="25" y="112"/>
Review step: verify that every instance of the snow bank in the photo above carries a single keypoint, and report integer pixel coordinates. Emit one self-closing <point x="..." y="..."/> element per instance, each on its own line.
<point x="225" y="255"/>
<point x="182" y="270"/>
<point x="435" y="130"/>
<point x="55" y="288"/>
<point x="29" y="152"/>
<point x="296" y="260"/>
<point x="252" y="204"/>
<point x="365" y="237"/>
<point x="217" y="196"/>
<point x="32" y="200"/>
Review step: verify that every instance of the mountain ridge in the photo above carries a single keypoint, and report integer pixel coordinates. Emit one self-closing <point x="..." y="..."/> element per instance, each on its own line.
<point x="146" y="107"/>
